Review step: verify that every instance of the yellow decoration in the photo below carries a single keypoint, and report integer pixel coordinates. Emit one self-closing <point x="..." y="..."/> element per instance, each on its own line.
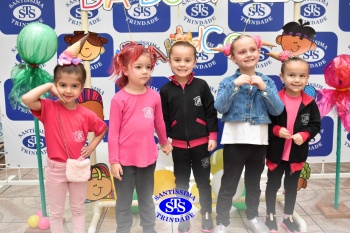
<point x="33" y="221"/>
<point x="216" y="161"/>
<point x="163" y="180"/>
<point x="195" y="192"/>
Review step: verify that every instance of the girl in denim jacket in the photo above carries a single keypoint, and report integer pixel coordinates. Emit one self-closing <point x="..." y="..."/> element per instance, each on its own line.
<point x="245" y="101"/>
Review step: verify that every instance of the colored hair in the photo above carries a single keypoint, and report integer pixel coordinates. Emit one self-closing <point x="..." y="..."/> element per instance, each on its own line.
<point x="185" y="44"/>
<point x="293" y="58"/>
<point x="234" y="41"/>
<point x="299" y="29"/>
<point x="79" y="70"/>
<point x="127" y="56"/>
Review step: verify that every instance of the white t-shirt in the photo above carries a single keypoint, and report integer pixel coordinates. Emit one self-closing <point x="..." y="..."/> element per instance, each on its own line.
<point x="245" y="133"/>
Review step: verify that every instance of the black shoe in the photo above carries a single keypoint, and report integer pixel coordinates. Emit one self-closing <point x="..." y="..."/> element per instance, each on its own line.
<point x="207" y="223"/>
<point x="290" y="226"/>
<point x="271" y="224"/>
<point x="185" y="227"/>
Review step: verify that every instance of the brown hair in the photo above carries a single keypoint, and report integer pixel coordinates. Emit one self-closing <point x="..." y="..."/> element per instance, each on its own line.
<point x="93" y="38"/>
<point x="79" y="70"/>
<point x="293" y="58"/>
<point x="185" y="44"/>
<point x="128" y="55"/>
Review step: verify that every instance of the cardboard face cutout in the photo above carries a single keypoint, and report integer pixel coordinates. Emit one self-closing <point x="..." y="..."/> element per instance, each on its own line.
<point x="100" y="185"/>
<point x="92" y="47"/>
<point x="297" y="37"/>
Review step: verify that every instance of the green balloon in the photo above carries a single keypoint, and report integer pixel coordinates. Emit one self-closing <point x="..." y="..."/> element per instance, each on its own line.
<point x="36" y="43"/>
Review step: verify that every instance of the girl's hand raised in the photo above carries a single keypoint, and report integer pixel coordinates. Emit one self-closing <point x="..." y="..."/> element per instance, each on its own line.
<point x="258" y="82"/>
<point x="242" y="79"/>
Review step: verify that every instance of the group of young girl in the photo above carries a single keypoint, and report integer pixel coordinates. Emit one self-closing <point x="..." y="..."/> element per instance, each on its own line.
<point x="260" y="125"/>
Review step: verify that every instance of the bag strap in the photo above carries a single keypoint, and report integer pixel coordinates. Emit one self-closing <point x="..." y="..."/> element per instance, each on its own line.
<point x="63" y="137"/>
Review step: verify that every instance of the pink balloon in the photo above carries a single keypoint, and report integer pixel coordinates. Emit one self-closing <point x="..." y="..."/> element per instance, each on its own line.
<point x="44" y="223"/>
<point x="39" y="213"/>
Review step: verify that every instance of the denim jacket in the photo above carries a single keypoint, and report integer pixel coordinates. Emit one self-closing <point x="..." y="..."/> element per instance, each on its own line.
<point x="247" y="103"/>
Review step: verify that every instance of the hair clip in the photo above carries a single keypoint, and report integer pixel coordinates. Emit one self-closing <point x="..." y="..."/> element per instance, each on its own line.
<point x="226" y="48"/>
<point x="70" y="55"/>
<point x="117" y="51"/>
<point x="180" y="36"/>
<point x="281" y="56"/>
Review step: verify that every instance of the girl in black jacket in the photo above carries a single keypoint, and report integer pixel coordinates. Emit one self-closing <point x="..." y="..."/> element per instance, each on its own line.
<point x="289" y="135"/>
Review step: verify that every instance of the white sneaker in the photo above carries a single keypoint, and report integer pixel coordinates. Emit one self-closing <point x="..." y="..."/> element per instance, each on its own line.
<point x="256" y="225"/>
<point x="220" y="229"/>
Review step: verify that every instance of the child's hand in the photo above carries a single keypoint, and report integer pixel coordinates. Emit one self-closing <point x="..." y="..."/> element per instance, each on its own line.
<point x="167" y="148"/>
<point x="54" y="92"/>
<point x="211" y="145"/>
<point x="284" y="133"/>
<point x="298" y="139"/>
<point x="117" y="170"/>
<point x="258" y="82"/>
<point x="242" y="79"/>
<point x="86" y="151"/>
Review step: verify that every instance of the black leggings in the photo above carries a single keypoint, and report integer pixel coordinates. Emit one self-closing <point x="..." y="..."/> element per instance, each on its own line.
<point x="236" y="157"/>
<point x="274" y="179"/>
<point x="198" y="159"/>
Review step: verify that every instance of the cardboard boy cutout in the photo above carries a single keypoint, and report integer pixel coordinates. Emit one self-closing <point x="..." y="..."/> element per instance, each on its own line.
<point x="297" y="37"/>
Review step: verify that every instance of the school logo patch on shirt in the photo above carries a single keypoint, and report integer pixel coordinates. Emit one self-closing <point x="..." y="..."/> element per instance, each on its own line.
<point x="148" y="112"/>
<point x="197" y="101"/>
<point x="305" y="118"/>
<point x="79" y="136"/>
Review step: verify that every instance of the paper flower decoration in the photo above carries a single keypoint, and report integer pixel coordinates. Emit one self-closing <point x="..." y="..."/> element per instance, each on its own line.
<point x="337" y="75"/>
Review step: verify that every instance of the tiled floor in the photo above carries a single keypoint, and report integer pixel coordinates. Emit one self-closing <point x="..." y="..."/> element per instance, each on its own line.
<point x="17" y="203"/>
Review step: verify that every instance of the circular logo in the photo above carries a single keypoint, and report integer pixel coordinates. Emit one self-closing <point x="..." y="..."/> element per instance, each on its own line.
<point x="30" y="142"/>
<point x="27" y="12"/>
<point x="138" y="12"/>
<point x="256" y="11"/>
<point x="312" y="10"/>
<point x="175" y="206"/>
<point x="199" y="10"/>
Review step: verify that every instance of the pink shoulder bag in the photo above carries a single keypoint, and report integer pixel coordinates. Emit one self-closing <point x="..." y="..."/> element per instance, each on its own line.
<point x="77" y="170"/>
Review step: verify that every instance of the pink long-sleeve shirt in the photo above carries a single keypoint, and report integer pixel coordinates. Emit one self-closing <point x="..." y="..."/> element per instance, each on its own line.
<point x="133" y="118"/>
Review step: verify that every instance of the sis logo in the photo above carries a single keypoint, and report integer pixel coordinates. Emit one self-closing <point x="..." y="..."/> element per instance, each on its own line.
<point x="321" y="144"/>
<point x="260" y="17"/>
<point x="141" y="19"/>
<point x="75" y="12"/>
<point x="98" y="49"/>
<point x="264" y="59"/>
<point x="199" y="13"/>
<point x="314" y="11"/>
<point x="210" y="64"/>
<point x="326" y="50"/>
<point x="175" y="208"/>
<point x="344" y="16"/>
<point x="29" y="142"/>
<point x="17" y="14"/>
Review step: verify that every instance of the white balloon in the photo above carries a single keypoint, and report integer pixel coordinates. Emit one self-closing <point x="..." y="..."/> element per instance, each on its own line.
<point x="216" y="183"/>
